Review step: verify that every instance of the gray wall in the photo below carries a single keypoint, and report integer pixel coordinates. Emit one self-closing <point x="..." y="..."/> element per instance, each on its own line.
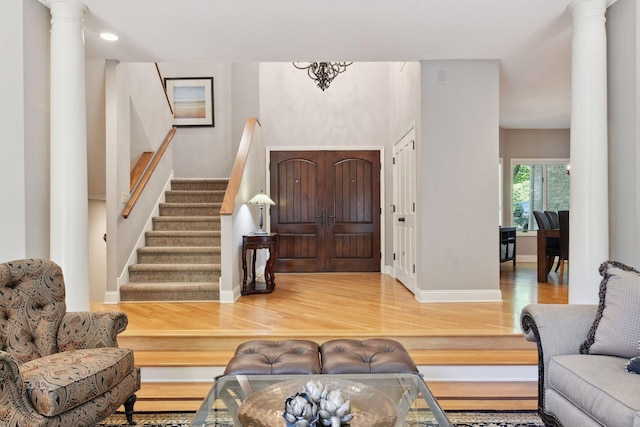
<point x="624" y="139"/>
<point x="535" y="144"/>
<point x="457" y="180"/>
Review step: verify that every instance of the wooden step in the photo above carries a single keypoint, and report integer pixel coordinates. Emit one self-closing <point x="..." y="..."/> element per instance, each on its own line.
<point x="188" y="396"/>
<point x="421" y="346"/>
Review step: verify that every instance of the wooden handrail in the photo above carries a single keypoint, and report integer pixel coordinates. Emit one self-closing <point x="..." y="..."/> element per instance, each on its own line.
<point x="164" y="88"/>
<point x="229" y="201"/>
<point x="148" y="172"/>
<point x="139" y="168"/>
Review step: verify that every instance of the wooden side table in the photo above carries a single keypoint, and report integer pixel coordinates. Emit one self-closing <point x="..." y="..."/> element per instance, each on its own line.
<point x="253" y="242"/>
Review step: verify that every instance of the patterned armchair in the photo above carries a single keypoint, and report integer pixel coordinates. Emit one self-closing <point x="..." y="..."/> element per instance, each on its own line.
<point x="58" y="368"/>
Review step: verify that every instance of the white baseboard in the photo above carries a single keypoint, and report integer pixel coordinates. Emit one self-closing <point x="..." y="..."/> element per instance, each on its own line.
<point x="465" y="295"/>
<point x="430" y="373"/>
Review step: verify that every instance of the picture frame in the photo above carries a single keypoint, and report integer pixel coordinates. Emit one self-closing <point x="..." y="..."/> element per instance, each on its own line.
<point x="191" y="99"/>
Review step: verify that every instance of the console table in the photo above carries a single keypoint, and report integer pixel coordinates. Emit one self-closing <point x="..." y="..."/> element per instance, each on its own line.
<point x="253" y="242"/>
<point x="508" y="244"/>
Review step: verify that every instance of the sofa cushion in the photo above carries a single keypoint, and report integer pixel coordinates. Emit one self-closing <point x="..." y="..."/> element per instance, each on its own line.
<point x="62" y="381"/>
<point x="616" y="330"/>
<point x="263" y="357"/>
<point x="380" y="356"/>
<point x="598" y="385"/>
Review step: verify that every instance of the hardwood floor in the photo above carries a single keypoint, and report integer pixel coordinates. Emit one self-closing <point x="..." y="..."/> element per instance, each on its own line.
<point x="357" y="305"/>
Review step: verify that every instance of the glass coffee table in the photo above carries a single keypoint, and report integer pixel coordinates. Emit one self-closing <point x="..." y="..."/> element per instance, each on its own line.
<point x="377" y="400"/>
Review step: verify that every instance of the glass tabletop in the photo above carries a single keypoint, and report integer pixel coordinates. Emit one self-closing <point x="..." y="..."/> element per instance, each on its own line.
<point x="376" y="400"/>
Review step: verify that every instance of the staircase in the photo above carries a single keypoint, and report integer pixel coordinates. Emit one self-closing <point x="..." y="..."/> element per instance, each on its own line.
<point x="181" y="259"/>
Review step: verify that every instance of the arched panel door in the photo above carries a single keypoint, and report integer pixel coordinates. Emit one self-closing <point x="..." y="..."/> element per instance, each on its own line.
<point x="327" y="210"/>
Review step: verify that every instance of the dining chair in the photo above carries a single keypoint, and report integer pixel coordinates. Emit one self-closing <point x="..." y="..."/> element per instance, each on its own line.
<point x="552" y="244"/>
<point x="552" y="216"/>
<point x="563" y="217"/>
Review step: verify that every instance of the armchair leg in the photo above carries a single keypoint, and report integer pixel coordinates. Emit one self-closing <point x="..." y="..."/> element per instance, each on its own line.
<point x="128" y="409"/>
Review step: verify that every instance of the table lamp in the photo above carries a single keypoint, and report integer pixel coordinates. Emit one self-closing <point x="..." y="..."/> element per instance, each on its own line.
<point x="261" y="199"/>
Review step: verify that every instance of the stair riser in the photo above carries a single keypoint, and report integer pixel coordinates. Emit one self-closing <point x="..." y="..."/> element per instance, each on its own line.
<point x="182" y="241"/>
<point x="199" y="186"/>
<point x="179" y="258"/>
<point x="189" y="211"/>
<point x="186" y="225"/>
<point x="216" y="197"/>
<point x="169" y="295"/>
<point x="174" y="276"/>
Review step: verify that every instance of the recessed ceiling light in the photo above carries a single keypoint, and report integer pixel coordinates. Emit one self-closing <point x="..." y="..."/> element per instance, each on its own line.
<point x="109" y="37"/>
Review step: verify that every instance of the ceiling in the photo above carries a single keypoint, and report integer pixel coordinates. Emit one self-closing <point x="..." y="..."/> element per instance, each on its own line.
<point x="531" y="38"/>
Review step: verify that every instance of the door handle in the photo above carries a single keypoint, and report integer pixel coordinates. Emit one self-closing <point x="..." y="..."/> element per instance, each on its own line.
<point x="329" y="219"/>
<point x="402" y="219"/>
<point x="321" y="218"/>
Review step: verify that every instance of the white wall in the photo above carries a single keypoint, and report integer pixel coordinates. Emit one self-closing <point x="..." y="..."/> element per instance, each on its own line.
<point x="245" y="98"/>
<point x="96" y="143"/>
<point x="36" y="127"/>
<point x="24" y="112"/>
<point x="12" y="173"/>
<point x="205" y="152"/>
<point x="353" y="111"/>
<point x="457" y="178"/>
<point x="97" y="250"/>
<point x="623" y="46"/>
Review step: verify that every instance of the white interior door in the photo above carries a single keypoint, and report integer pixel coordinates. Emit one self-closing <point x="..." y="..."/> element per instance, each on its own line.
<point x="404" y="215"/>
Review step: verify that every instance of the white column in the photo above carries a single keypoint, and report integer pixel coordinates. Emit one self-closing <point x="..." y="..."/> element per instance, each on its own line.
<point x="69" y="194"/>
<point x="589" y="239"/>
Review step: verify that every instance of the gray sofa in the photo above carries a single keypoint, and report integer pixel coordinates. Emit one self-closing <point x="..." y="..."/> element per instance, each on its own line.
<point x="577" y="389"/>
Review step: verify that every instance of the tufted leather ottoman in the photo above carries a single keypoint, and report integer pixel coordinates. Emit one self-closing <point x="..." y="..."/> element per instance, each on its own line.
<point x="380" y="356"/>
<point x="275" y="357"/>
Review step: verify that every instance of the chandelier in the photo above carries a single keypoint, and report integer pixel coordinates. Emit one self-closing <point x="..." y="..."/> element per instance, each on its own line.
<point x="323" y="73"/>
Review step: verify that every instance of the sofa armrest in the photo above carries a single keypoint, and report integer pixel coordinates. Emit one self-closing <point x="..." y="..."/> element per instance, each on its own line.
<point x="80" y="330"/>
<point x="558" y="328"/>
<point x="15" y="406"/>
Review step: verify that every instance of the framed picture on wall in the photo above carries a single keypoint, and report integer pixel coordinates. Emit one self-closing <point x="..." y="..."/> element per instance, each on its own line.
<point x="191" y="99"/>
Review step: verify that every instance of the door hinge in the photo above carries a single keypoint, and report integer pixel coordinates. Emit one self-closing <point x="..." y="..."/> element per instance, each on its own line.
<point x="413" y="144"/>
<point x="393" y="207"/>
<point x="414" y="206"/>
<point x="394" y="256"/>
<point x="394" y="160"/>
<point x="414" y="269"/>
<point x="380" y="255"/>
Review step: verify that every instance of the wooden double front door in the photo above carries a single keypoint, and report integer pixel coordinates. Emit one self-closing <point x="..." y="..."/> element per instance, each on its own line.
<point x="327" y="211"/>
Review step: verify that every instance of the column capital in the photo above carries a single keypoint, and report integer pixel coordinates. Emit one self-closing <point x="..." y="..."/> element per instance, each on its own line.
<point x="584" y="10"/>
<point x="70" y="4"/>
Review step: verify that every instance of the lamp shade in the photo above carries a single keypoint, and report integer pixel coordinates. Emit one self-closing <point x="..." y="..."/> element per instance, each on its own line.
<point x="261" y="199"/>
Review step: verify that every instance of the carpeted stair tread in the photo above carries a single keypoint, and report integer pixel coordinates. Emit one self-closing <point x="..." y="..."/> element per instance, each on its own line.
<point x="179" y="249"/>
<point x="199" y="184"/>
<point x="174" y="267"/>
<point x="186" y="218"/>
<point x="179" y="233"/>
<point x="194" y="196"/>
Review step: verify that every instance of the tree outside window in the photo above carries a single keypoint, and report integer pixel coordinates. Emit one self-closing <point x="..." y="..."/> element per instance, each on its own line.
<point x="538" y="185"/>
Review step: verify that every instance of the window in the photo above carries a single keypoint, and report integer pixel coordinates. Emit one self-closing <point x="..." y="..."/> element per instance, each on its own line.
<point x="537" y="185"/>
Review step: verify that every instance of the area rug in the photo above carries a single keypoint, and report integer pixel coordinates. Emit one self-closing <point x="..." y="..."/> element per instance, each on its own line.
<point x="457" y="418"/>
